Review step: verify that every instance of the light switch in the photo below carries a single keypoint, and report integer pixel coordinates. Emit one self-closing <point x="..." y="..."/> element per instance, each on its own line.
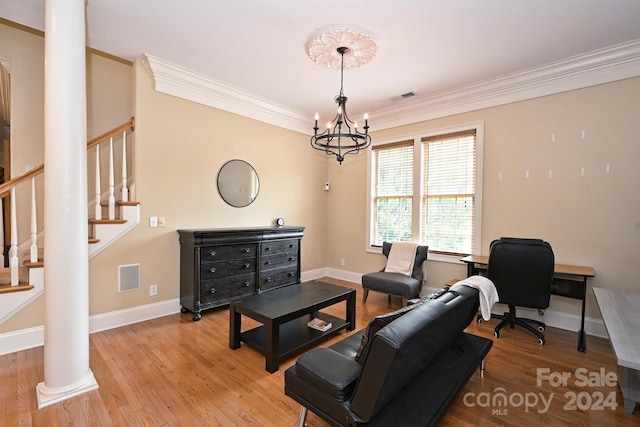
<point x="153" y="221"/>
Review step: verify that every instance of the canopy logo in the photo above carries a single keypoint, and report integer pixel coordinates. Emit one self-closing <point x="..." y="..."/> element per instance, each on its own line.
<point x="499" y="400"/>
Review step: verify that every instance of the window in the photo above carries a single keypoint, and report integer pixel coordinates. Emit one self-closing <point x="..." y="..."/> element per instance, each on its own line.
<point x="392" y="192"/>
<point x="448" y="192"/>
<point x="428" y="189"/>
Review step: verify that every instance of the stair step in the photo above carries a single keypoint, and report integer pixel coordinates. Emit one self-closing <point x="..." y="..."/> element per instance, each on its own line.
<point x="26" y="258"/>
<point x="5" y="275"/>
<point x="93" y="240"/>
<point x="5" y="289"/>
<point x="119" y="203"/>
<point x="107" y="221"/>
<point x="30" y="264"/>
<point x="26" y="255"/>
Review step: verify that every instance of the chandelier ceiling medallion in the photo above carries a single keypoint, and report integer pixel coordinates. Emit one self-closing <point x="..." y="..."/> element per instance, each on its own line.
<point x="341" y="47"/>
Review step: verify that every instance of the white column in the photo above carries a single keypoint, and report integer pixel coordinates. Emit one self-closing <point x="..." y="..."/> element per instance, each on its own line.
<point x="66" y="273"/>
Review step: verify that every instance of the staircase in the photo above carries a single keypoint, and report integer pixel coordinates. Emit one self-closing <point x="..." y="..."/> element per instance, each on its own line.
<point x="23" y="281"/>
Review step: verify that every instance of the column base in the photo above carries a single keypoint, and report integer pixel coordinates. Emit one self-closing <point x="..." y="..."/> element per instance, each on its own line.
<point x="48" y="396"/>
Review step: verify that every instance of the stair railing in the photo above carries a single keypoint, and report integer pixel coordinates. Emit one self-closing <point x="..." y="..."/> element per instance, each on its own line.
<point x="9" y="188"/>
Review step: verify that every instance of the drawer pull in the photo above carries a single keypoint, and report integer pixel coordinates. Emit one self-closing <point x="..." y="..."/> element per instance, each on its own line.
<point x="213" y="290"/>
<point x="291" y="274"/>
<point x="213" y="269"/>
<point x="213" y="253"/>
<point x="247" y="284"/>
<point x="247" y="265"/>
<point x="247" y="250"/>
<point x="291" y="258"/>
<point x="268" y="280"/>
<point x="267" y="263"/>
<point x="291" y="245"/>
<point x="268" y="248"/>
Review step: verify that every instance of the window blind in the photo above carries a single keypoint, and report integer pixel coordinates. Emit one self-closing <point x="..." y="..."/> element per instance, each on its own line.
<point x="448" y="192"/>
<point x="392" y="191"/>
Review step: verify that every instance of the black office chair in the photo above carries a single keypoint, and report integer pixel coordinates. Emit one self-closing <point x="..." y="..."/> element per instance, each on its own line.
<point x="522" y="271"/>
<point x="407" y="287"/>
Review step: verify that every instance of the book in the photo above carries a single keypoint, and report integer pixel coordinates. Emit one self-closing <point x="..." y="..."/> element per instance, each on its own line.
<point x="319" y="324"/>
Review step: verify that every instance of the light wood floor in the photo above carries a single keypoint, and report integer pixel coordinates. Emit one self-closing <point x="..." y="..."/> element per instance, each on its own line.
<point x="173" y="371"/>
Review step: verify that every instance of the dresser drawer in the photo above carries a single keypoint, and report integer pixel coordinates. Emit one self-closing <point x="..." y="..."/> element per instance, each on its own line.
<point x="228" y="287"/>
<point x="227" y="267"/>
<point x="279" y="261"/>
<point x="280" y="277"/>
<point x="214" y="253"/>
<point x="280" y="247"/>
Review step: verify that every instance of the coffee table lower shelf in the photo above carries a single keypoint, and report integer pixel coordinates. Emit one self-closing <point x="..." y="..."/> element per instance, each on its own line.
<point x="295" y="335"/>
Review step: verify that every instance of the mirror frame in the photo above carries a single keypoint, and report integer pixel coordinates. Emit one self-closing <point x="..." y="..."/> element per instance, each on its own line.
<point x="235" y="193"/>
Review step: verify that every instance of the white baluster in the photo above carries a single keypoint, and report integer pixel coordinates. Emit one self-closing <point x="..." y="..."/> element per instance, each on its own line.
<point x="125" y="190"/>
<point x="112" y="197"/>
<point x="98" y="208"/>
<point x="34" y="223"/>
<point x="13" y="263"/>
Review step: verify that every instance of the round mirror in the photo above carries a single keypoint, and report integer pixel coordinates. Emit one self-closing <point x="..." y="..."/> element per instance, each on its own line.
<point x="238" y="183"/>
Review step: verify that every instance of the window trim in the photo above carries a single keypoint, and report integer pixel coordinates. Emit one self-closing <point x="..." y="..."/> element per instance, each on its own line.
<point x="417" y="185"/>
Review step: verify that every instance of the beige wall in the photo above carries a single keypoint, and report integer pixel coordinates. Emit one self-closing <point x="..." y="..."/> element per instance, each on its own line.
<point x="25" y="50"/>
<point x="179" y="149"/>
<point x="590" y="220"/>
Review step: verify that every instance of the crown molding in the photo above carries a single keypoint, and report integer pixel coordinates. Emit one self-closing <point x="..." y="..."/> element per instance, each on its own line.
<point x="606" y="65"/>
<point x="183" y="83"/>
<point x="614" y="63"/>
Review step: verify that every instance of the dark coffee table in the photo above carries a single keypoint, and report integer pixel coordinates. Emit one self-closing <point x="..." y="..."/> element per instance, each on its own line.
<point x="284" y="313"/>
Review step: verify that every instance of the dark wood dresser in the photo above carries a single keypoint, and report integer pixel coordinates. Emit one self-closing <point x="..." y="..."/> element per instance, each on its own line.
<point x="221" y="265"/>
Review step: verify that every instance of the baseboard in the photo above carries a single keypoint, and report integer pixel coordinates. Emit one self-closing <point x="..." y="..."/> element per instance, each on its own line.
<point x="313" y="274"/>
<point x="23" y="339"/>
<point x="556" y="319"/>
<point x="344" y="275"/>
<point x="115" y="319"/>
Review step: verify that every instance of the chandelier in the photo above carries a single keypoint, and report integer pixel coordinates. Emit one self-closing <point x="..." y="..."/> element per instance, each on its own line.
<point x="342" y="135"/>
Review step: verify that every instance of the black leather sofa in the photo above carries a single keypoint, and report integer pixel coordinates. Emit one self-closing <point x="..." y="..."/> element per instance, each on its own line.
<point x="413" y="368"/>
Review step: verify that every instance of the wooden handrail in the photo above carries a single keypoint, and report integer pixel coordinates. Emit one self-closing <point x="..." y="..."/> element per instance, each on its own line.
<point x="6" y="187"/>
<point x="97" y="140"/>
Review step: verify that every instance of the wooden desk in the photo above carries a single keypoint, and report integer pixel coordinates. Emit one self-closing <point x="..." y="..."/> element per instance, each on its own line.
<point x="620" y="314"/>
<point x="568" y="281"/>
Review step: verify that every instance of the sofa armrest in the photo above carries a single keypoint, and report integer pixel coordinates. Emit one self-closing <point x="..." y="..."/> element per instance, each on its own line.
<point x="329" y="371"/>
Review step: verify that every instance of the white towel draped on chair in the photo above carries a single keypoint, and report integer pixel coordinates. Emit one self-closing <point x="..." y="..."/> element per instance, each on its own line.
<point x="488" y="293"/>
<point x="402" y="256"/>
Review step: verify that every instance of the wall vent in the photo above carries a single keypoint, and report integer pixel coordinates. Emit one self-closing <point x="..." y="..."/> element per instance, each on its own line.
<point x="128" y="277"/>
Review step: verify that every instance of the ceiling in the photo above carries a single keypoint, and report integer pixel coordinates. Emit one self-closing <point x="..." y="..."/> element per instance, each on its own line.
<point x="428" y="47"/>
